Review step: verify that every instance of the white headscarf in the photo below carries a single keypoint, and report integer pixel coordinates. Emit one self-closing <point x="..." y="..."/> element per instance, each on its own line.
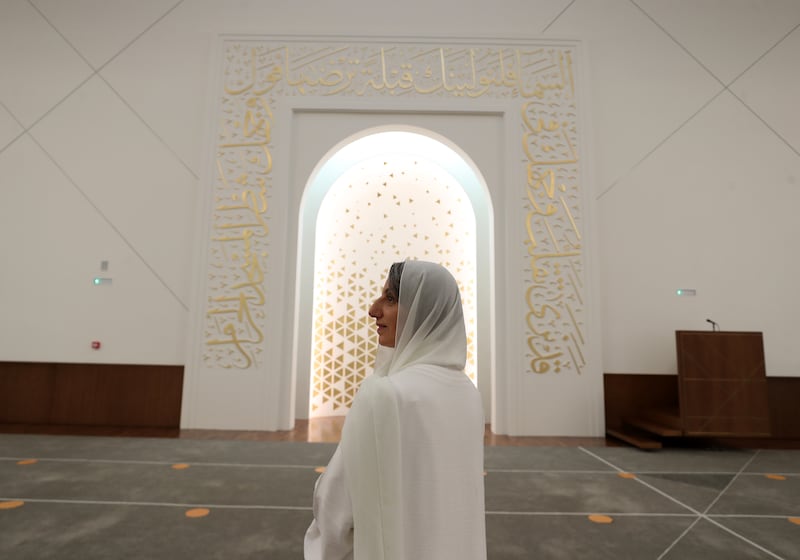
<point x="430" y="321"/>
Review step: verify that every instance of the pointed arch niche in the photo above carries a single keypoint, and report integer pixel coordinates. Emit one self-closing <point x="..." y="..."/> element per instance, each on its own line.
<point x="380" y="196"/>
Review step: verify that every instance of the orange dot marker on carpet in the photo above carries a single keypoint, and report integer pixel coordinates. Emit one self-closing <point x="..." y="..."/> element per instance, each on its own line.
<point x="12" y="504"/>
<point x="320" y="470"/>
<point x="602" y="519"/>
<point x="28" y="462"/>
<point x="795" y="520"/>
<point x="775" y="477"/>
<point x="626" y="475"/>
<point x="197" y="512"/>
<point x="180" y="466"/>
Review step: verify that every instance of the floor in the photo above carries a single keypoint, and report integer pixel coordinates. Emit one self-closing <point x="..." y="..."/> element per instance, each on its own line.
<point x="247" y="495"/>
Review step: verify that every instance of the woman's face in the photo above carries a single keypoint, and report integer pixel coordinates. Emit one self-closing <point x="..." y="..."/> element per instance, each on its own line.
<point x="384" y="311"/>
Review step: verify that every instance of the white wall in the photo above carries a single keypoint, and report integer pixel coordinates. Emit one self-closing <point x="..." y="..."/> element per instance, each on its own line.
<point x="695" y="161"/>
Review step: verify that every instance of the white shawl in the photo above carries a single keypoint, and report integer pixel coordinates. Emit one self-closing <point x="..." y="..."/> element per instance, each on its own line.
<point x="411" y="454"/>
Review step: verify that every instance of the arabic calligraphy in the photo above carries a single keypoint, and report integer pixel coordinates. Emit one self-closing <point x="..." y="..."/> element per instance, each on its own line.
<point x="554" y="245"/>
<point x="258" y="74"/>
<point x="239" y="234"/>
<point x="398" y="70"/>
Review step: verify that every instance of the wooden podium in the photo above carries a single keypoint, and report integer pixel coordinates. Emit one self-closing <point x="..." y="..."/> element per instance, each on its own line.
<point x="722" y="391"/>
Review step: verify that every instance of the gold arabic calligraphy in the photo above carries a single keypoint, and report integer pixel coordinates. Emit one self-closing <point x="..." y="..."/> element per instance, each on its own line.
<point x="553" y="241"/>
<point x="467" y="72"/>
<point x="258" y="74"/>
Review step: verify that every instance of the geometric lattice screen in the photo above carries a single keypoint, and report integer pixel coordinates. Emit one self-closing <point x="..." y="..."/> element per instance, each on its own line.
<point x="384" y="209"/>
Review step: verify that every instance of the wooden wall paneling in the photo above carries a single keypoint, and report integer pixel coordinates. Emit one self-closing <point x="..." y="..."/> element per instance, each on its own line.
<point x="127" y="395"/>
<point x="75" y="398"/>
<point x="629" y="395"/>
<point x="784" y="396"/>
<point x="26" y="392"/>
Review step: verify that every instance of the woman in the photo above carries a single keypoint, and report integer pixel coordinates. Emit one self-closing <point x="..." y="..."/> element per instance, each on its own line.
<point x="406" y="481"/>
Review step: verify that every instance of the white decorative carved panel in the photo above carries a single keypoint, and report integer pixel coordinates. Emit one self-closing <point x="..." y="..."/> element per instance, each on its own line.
<point x="541" y="78"/>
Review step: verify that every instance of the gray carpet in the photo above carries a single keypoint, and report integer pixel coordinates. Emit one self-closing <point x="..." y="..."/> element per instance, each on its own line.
<point x="112" y="498"/>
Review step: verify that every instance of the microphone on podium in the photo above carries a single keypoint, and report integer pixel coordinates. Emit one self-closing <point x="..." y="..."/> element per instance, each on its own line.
<point x="714" y="325"/>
